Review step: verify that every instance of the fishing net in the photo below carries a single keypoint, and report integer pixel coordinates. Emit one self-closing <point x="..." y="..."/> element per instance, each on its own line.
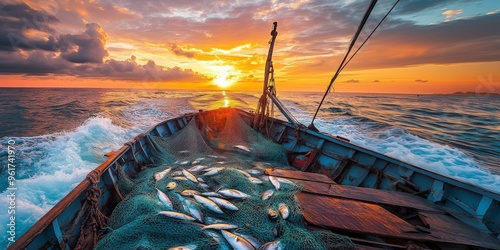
<point x="239" y="155"/>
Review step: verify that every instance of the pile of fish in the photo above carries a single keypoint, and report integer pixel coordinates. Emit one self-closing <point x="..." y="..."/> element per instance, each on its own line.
<point x="196" y="203"/>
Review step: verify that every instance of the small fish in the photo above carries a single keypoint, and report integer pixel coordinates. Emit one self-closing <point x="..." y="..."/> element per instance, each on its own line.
<point x="224" y="203"/>
<point x="219" y="226"/>
<point x="213" y="171"/>
<point x="267" y="194"/>
<point x="273" y="245"/>
<point x="275" y="182"/>
<point x="180" y="178"/>
<point x="213" y="156"/>
<point x="254" y="171"/>
<point x="204" y="186"/>
<point x="233" y="193"/>
<point x="159" y="175"/>
<point x="189" y="192"/>
<point x="189" y="176"/>
<point x="237" y="242"/>
<point x="285" y="181"/>
<point x="177" y="215"/>
<point x="208" y="204"/>
<point x="244" y="173"/>
<point x="171" y="185"/>
<point x="197" y="160"/>
<point x="187" y="247"/>
<point x="211" y="194"/>
<point x="200" y="180"/>
<point x="183" y="162"/>
<point x="273" y="214"/>
<point x="177" y="173"/>
<point x="255" y="180"/>
<point x="164" y="199"/>
<point x="196" y="168"/>
<point x="284" y="211"/>
<point x="254" y="241"/>
<point x="184" y="152"/>
<point x="241" y="147"/>
<point x="192" y="209"/>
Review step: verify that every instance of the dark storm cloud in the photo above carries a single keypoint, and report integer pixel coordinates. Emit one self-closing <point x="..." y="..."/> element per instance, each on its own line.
<point x="86" y="47"/>
<point x="18" y="19"/>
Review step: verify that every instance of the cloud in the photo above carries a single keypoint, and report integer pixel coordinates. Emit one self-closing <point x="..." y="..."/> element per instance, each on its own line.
<point x="86" y="47"/>
<point x="451" y="13"/>
<point x="376" y="81"/>
<point x="420" y="80"/>
<point x="19" y="19"/>
<point x="352" y="81"/>
<point x="180" y="52"/>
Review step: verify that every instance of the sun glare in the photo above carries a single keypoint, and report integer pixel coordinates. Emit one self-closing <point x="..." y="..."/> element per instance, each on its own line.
<point x="226" y="76"/>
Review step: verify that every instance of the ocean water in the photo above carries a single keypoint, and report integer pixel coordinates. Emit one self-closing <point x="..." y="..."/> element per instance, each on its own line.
<point x="59" y="135"/>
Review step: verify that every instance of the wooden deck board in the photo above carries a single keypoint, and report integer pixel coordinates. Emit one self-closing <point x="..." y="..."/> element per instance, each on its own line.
<point x="370" y="195"/>
<point x="365" y="218"/>
<point x="299" y="175"/>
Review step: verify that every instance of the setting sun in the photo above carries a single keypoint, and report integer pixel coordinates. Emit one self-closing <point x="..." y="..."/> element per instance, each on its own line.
<point x="226" y="76"/>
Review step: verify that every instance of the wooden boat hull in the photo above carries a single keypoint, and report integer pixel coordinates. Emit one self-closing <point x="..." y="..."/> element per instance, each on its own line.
<point x="372" y="176"/>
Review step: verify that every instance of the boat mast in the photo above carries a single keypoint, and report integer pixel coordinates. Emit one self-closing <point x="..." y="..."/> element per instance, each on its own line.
<point x="263" y="103"/>
<point x="269" y="91"/>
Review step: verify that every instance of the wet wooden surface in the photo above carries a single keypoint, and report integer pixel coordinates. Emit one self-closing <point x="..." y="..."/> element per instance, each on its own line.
<point x="371" y="195"/>
<point x="364" y="218"/>
<point x="299" y="175"/>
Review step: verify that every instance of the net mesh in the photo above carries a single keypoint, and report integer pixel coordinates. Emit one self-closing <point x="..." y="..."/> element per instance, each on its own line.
<point x="236" y="154"/>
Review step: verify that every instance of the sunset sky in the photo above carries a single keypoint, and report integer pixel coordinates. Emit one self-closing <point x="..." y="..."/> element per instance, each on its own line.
<point x="425" y="46"/>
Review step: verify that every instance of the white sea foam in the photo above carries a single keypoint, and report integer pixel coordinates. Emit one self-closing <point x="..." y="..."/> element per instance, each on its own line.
<point x="400" y="144"/>
<point x="57" y="163"/>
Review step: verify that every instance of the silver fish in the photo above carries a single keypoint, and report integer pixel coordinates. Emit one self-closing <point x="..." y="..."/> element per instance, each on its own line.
<point x="180" y="178"/>
<point x="189" y="176"/>
<point x="196" y="168"/>
<point x="159" y="175"/>
<point x="164" y="199"/>
<point x="244" y="173"/>
<point x="213" y="171"/>
<point x="284" y="211"/>
<point x="192" y="209"/>
<point x="255" y="180"/>
<point x="267" y="194"/>
<point x="184" y="152"/>
<point x="189" y="192"/>
<point x="237" y="242"/>
<point x="254" y="241"/>
<point x="208" y="204"/>
<point x="200" y="179"/>
<point x="187" y="247"/>
<point x="241" y="147"/>
<point x="211" y="194"/>
<point x="204" y="186"/>
<point x="171" y="185"/>
<point x="275" y="182"/>
<point x="177" y="173"/>
<point x="272" y="214"/>
<point x="224" y="203"/>
<point x="233" y="193"/>
<point x="219" y="226"/>
<point x="285" y="181"/>
<point x="176" y="215"/>
<point x="197" y="160"/>
<point x="183" y="162"/>
<point x="273" y="245"/>
<point x="254" y="171"/>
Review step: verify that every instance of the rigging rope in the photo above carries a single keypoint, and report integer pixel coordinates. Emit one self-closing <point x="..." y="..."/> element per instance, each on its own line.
<point x="344" y="63"/>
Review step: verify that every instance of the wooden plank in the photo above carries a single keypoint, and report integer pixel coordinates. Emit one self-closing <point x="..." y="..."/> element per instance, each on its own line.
<point x="365" y="218"/>
<point x="371" y="195"/>
<point x="351" y="216"/>
<point x="299" y="175"/>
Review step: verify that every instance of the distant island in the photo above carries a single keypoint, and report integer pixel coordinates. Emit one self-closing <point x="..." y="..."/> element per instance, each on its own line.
<point x="476" y="93"/>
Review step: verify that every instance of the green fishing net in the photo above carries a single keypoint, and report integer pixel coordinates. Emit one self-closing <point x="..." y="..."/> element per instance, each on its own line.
<point x="238" y="152"/>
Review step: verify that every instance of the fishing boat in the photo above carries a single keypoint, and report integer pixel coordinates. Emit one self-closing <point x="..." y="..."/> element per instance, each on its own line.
<point x="318" y="187"/>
